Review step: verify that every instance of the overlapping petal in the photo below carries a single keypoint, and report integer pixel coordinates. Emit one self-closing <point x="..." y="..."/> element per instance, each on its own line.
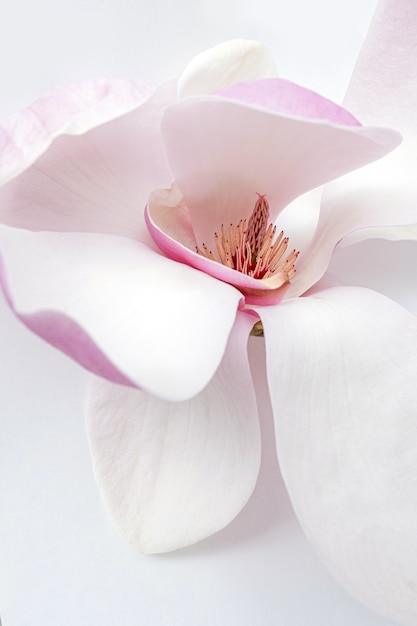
<point x="174" y="473"/>
<point x="378" y="200"/>
<point x="242" y="149"/>
<point x="225" y="64"/>
<point x="342" y="370"/>
<point x="162" y="325"/>
<point x="91" y="154"/>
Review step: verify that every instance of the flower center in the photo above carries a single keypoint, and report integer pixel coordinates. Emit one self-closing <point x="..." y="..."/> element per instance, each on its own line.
<point x="254" y="248"/>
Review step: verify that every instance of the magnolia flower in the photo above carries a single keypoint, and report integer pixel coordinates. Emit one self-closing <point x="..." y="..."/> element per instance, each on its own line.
<point x="146" y="233"/>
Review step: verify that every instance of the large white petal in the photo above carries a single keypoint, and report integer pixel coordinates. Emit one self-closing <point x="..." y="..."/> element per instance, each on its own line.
<point x="342" y="370"/>
<point x="174" y="473"/>
<point x="227" y="63"/>
<point x="118" y="308"/>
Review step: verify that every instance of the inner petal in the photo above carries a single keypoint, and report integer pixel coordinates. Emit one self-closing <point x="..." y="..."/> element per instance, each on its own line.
<point x="250" y="255"/>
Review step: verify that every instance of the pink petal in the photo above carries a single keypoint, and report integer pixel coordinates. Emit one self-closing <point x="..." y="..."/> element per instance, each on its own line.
<point x="227" y="63"/>
<point x="223" y="152"/>
<point x="81" y="172"/>
<point x="173" y="473"/>
<point x="342" y="368"/>
<point x="120" y="309"/>
<point x="287" y="98"/>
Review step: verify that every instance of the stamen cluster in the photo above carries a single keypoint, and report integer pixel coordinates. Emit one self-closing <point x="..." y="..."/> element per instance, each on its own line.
<point x="252" y="247"/>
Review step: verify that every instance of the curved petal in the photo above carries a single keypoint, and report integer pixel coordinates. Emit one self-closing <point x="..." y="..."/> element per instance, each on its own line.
<point x="169" y="225"/>
<point x="342" y="368"/>
<point x="227" y="63"/>
<point x="383" y="87"/>
<point x="162" y="325"/>
<point x="362" y="205"/>
<point x="172" y="474"/>
<point x="223" y="152"/>
<point x="71" y="109"/>
<point x="383" y="90"/>
<point x="82" y="172"/>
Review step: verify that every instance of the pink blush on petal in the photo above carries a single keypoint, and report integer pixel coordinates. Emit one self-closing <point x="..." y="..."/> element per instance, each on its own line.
<point x="66" y="335"/>
<point x="287" y="98"/>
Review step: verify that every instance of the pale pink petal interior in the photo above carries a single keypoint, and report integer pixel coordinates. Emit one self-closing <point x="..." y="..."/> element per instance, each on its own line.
<point x="96" y="181"/>
<point x="169" y="225"/>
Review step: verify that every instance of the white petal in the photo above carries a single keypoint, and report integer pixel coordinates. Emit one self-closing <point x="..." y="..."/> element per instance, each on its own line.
<point x="174" y="473"/>
<point x="342" y="370"/>
<point x="383" y="90"/>
<point x="227" y="63"/>
<point x="120" y="309"/>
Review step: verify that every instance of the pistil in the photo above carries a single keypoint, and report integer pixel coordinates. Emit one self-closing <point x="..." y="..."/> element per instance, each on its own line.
<point x="253" y="247"/>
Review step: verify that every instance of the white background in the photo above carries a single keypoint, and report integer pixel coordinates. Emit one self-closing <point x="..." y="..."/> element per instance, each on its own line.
<point x="62" y="563"/>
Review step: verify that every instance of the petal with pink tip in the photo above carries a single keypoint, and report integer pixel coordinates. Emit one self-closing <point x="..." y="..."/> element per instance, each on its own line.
<point x="170" y="473"/>
<point x="287" y="98"/>
<point x="160" y="325"/>
<point x="223" y="152"/>
<point x="227" y="63"/>
<point x="89" y="156"/>
<point x="342" y="370"/>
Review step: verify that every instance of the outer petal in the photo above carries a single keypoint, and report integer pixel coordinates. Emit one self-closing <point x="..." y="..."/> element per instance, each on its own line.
<point x="342" y="370"/>
<point x="383" y="90"/>
<point x="172" y="474"/>
<point x="161" y="325"/>
<point x="82" y="172"/>
<point x="223" y="152"/>
<point x="227" y="63"/>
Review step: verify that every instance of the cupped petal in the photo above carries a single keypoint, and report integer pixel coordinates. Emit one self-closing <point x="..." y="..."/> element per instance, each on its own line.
<point x="169" y="225"/>
<point x="342" y="370"/>
<point x="88" y="157"/>
<point x="173" y="473"/>
<point x="227" y="63"/>
<point x="224" y="152"/>
<point x="161" y="325"/>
